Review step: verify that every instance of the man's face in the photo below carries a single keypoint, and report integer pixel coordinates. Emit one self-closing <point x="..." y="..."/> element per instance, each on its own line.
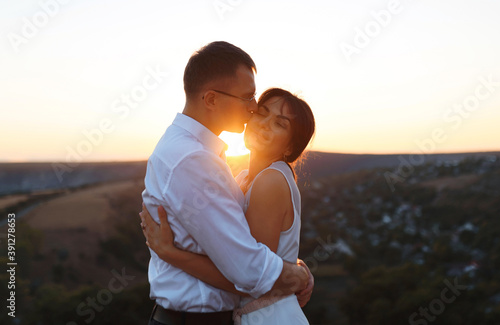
<point x="235" y="112"/>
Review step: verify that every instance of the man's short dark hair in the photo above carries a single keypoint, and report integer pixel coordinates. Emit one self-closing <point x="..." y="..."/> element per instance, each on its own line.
<point x="214" y="61"/>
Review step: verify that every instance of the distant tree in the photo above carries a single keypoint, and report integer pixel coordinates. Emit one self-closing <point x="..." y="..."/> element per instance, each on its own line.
<point x="467" y="237"/>
<point x="380" y="291"/>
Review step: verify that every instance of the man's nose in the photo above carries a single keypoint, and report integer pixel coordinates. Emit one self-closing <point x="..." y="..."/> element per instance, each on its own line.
<point x="252" y="107"/>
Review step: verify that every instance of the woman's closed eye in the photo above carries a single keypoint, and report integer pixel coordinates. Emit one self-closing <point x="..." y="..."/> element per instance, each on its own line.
<point x="280" y="124"/>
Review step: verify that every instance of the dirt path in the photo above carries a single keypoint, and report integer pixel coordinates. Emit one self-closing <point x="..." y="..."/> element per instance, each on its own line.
<point x="73" y="227"/>
<point x="81" y="210"/>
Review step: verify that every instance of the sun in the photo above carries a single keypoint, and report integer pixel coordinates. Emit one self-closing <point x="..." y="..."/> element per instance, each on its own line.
<point x="235" y="142"/>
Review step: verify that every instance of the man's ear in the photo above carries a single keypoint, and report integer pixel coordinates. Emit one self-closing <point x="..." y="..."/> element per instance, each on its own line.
<point x="209" y="99"/>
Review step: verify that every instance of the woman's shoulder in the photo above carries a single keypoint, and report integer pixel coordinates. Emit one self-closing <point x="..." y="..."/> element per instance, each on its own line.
<point x="272" y="184"/>
<point x="283" y="174"/>
<point x="272" y="178"/>
<point x="284" y="169"/>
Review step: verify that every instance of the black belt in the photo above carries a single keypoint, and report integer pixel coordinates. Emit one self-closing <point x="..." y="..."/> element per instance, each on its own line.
<point x="172" y="317"/>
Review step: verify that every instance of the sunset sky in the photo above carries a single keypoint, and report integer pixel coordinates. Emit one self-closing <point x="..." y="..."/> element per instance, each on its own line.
<point x="101" y="80"/>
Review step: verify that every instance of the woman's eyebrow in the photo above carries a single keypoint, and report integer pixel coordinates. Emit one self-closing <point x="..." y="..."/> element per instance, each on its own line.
<point x="284" y="117"/>
<point x="279" y="116"/>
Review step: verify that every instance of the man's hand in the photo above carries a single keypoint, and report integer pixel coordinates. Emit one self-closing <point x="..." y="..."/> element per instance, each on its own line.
<point x="305" y="295"/>
<point x="293" y="279"/>
<point x="159" y="237"/>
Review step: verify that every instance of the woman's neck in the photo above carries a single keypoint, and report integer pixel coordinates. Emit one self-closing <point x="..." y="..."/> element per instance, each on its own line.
<point x="257" y="163"/>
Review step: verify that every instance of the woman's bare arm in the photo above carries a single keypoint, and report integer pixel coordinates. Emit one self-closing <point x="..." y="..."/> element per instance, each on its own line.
<point x="270" y="211"/>
<point x="269" y="203"/>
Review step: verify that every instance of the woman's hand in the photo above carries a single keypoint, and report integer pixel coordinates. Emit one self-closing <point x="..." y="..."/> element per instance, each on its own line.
<point x="159" y="237"/>
<point x="304" y="295"/>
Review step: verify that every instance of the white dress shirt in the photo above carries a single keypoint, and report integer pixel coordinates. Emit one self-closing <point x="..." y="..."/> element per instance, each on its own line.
<point x="188" y="177"/>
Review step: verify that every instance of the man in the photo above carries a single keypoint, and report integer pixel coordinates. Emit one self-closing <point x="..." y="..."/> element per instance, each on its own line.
<point x="187" y="174"/>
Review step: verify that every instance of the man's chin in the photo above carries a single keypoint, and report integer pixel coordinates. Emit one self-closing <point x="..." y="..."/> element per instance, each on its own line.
<point x="237" y="129"/>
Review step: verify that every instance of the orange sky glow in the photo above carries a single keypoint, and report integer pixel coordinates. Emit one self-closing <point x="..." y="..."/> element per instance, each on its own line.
<point x="83" y="81"/>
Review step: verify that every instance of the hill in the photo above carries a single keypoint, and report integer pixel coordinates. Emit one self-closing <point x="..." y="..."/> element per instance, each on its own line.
<point x="320" y="164"/>
<point x="22" y="178"/>
<point x="378" y="253"/>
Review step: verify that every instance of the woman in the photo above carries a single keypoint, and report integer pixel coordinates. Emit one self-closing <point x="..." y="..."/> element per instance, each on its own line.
<point x="276" y="136"/>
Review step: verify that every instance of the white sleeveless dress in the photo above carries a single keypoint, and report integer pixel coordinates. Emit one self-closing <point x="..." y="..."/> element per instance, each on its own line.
<point x="286" y="311"/>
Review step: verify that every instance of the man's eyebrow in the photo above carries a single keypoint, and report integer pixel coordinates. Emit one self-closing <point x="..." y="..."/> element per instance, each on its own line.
<point x="265" y="107"/>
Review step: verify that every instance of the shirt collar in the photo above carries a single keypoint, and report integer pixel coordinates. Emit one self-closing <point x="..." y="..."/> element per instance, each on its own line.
<point x="201" y="133"/>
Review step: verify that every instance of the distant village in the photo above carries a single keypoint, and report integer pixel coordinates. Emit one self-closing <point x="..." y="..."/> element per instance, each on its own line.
<point x="367" y="220"/>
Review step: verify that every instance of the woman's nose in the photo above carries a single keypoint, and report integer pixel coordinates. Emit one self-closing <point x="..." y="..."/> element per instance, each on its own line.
<point x="264" y="122"/>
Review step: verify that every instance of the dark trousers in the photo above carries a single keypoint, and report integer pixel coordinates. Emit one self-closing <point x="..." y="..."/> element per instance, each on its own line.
<point x="161" y="316"/>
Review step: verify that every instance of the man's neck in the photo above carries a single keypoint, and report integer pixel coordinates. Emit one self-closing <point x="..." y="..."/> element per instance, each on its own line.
<point x="203" y="118"/>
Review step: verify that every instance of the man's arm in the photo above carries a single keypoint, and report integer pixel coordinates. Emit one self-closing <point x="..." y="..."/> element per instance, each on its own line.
<point x="160" y="239"/>
<point x="293" y="278"/>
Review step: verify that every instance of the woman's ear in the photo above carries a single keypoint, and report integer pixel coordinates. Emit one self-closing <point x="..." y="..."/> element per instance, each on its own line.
<point x="209" y="98"/>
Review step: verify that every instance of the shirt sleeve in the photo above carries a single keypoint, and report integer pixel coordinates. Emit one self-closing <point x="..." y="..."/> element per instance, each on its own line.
<point x="200" y="193"/>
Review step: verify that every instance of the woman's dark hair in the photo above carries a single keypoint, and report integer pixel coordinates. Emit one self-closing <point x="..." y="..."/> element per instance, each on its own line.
<point x="216" y="60"/>
<point x="302" y="124"/>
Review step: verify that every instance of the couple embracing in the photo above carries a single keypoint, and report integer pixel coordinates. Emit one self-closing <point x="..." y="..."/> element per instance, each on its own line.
<point x="225" y="250"/>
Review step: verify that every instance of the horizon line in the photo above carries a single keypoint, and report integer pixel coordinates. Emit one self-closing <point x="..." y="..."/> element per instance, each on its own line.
<point x="306" y="152"/>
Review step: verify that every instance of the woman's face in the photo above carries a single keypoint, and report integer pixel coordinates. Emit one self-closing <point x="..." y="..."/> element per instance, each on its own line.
<point x="269" y="131"/>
